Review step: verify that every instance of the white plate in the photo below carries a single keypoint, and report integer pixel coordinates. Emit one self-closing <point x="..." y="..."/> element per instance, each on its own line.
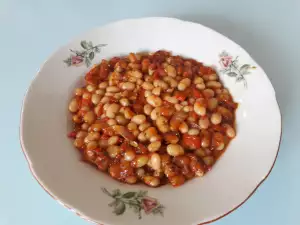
<point x="57" y="166"/>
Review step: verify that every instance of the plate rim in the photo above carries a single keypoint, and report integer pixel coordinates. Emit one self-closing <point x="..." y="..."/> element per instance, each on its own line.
<point x="81" y="215"/>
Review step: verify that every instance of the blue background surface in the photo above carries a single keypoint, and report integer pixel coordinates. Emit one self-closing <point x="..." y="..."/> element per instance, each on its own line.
<point x="31" y="30"/>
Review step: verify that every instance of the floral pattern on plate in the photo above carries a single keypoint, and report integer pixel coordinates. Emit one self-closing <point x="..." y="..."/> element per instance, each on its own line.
<point x="232" y="68"/>
<point x="86" y="55"/>
<point x="137" y="201"/>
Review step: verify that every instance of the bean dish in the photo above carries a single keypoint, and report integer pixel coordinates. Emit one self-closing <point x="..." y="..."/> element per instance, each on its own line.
<point x="152" y="118"/>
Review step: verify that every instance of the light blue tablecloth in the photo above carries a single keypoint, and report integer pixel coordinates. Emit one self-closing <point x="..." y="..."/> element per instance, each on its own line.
<point x="31" y="30"/>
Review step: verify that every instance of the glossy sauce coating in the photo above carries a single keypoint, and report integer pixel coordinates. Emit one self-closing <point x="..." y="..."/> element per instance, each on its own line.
<point x="152" y="118"/>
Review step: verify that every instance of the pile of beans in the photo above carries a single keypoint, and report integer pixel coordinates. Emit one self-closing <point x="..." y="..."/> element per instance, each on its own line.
<point x="152" y="118"/>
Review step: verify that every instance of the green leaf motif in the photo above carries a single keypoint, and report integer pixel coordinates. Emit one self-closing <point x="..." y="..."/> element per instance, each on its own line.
<point x="68" y="61"/>
<point x="113" y="204"/>
<point x="116" y="193"/>
<point x="87" y="53"/>
<point x="119" y="208"/>
<point x="87" y="61"/>
<point x="105" y="191"/>
<point x="101" y="45"/>
<point x="84" y="44"/>
<point x="128" y="195"/>
<point x="132" y="200"/>
<point x="97" y="49"/>
<point x="81" y="53"/>
<point x="244" y="68"/>
<point x="90" y="44"/>
<point x="142" y="194"/>
<point x="91" y="55"/>
<point x="235" y="70"/>
<point x="232" y="74"/>
<point x="240" y="78"/>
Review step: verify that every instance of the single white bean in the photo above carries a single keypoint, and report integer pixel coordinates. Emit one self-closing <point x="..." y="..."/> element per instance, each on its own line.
<point x="230" y="132"/>
<point x="181" y="86"/>
<point x="111" y="122"/>
<point x="200" y="86"/>
<point x="112" y="110"/>
<point x="132" y="126"/>
<point x="124" y="102"/>
<point x="73" y="106"/>
<point x="212" y="103"/>
<point x="89" y="117"/>
<point x="199" y="109"/>
<point x="154" y="100"/>
<point x="193" y="131"/>
<point x="103" y="85"/>
<point x="208" y="93"/>
<point x="213" y="84"/>
<point x="139" y="119"/>
<point x="147" y="86"/>
<point x="129" y="155"/>
<point x="154" y="146"/>
<point x="186" y="81"/>
<point x="128" y="113"/>
<point x="171" y="71"/>
<point x="183" y="128"/>
<point x="109" y="94"/>
<point x="148" y="109"/>
<point x="121" y="120"/>
<point x="198" y="80"/>
<point x="204" y="122"/>
<point x="91" y="145"/>
<point x="144" y="126"/>
<point x="156" y="91"/>
<point x="136" y="74"/>
<point x="105" y="99"/>
<point x="113" y="140"/>
<point x="112" y="89"/>
<point x="86" y="95"/>
<point x="213" y="77"/>
<point x="216" y="118"/>
<point x="162" y="124"/>
<point x="170" y="99"/>
<point x="147" y="93"/>
<point x="175" y="150"/>
<point x="96" y="99"/>
<point x="90" y="88"/>
<point x="155" y="161"/>
<point x="128" y="86"/>
<point x="151" y="131"/>
<point x="113" y="151"/>
<point x="100" y="92"/>
<point x="142" y="137"/>
<point x="79" y="91"/>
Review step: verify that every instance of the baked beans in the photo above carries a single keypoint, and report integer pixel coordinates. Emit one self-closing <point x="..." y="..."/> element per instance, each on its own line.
<point x="154" y="119"/>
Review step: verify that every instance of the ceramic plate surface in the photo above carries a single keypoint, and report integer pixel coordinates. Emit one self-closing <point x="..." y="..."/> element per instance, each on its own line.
<point x="97" y="197"/>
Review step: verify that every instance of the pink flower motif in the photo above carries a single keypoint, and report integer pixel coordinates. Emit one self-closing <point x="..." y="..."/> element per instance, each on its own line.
<point x="76" y="59"/>
<point x="225" y="61"/>
<point x="148" y="204"/>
